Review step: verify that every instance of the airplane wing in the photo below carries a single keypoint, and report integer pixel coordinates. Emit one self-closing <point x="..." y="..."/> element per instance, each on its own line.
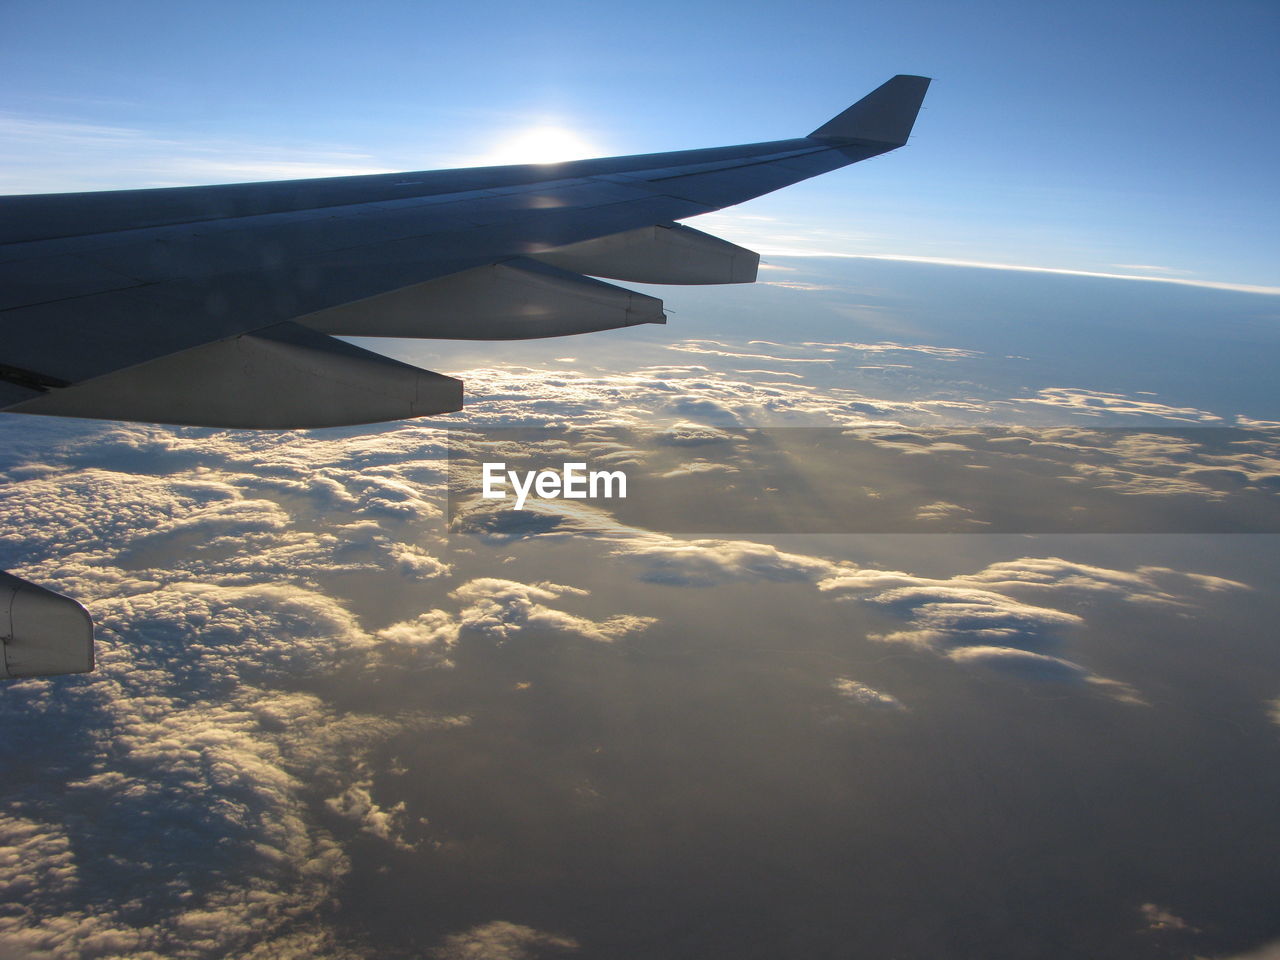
<point x="221" y="305"/>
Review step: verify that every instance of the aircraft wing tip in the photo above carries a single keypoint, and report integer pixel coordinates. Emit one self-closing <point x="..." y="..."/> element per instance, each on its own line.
<point x="885" y="115"/>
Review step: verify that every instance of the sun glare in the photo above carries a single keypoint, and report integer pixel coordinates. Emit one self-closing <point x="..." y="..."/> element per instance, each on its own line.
<point x="544" y="144"/>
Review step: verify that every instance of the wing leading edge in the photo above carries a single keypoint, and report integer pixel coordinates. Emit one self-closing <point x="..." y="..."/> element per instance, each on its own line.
<point x="219" y="306"/>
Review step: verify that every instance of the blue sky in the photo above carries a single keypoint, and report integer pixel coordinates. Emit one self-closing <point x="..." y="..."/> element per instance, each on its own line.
<point x="1138" y="139"/>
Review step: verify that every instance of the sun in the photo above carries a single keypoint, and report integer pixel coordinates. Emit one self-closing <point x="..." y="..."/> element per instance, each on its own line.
<point x="541" y="144"/>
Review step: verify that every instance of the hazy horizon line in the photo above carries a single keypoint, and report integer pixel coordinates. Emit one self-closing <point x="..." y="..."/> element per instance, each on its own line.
<point x="985" y="265"/>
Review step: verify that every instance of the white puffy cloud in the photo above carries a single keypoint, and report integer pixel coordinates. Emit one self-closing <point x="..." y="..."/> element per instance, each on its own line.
<point x="684" y="434"/>
<point x="706" y="562"/>
<point x="187" y="829"/>
<point x="691" y="467"/>
<point x="1161" y="918"/>
<point x="433" y="631"/>
<point x="493" y="520"/>
<point x="662" y="558"/>
<point x="891" y="346"/>
<point x="944" y="616"/>
<point x="501" y="940"/>
<point x="356" y="803"/>
<point x="723" y="391"/>
<point x="866" y="696"/>
<point x="500" y="609"/>
<point x="1022" y="663"/>
<point x="978" y="619"/>
<point x="943" y="510"/>
<point x="827" y="351"/>
<point x="1095" y="403"/>
<point x="656" y="397"/>
<point x="414" y="561"/>
<point x="131" y="504"/>
<point x="496" y="610"/>
<point x="188" y="836"/>
<point x="1146" y="584"/>
<point x="36" y="860"/>
<point x="718" y="348"/>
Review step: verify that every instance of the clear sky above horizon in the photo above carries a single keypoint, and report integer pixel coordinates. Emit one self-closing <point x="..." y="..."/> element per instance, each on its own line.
<point x="1138" y="139"/>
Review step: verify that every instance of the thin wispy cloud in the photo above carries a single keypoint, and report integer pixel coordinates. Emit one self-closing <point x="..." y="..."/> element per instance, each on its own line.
<point x="953" y="262"/>
<point x="47" y="155"/>
<point x="1151" y="268"/>
<point x="794" y="239"/>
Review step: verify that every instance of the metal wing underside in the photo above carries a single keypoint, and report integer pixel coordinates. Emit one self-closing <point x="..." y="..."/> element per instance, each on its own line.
<point x="218" y="305"/>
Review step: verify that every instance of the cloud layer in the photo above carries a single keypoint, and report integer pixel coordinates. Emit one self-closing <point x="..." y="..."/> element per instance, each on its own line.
<point x="214" y="781"/>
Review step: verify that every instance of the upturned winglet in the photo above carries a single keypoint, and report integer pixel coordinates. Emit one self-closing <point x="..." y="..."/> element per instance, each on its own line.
<point x="885" y="115"/>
